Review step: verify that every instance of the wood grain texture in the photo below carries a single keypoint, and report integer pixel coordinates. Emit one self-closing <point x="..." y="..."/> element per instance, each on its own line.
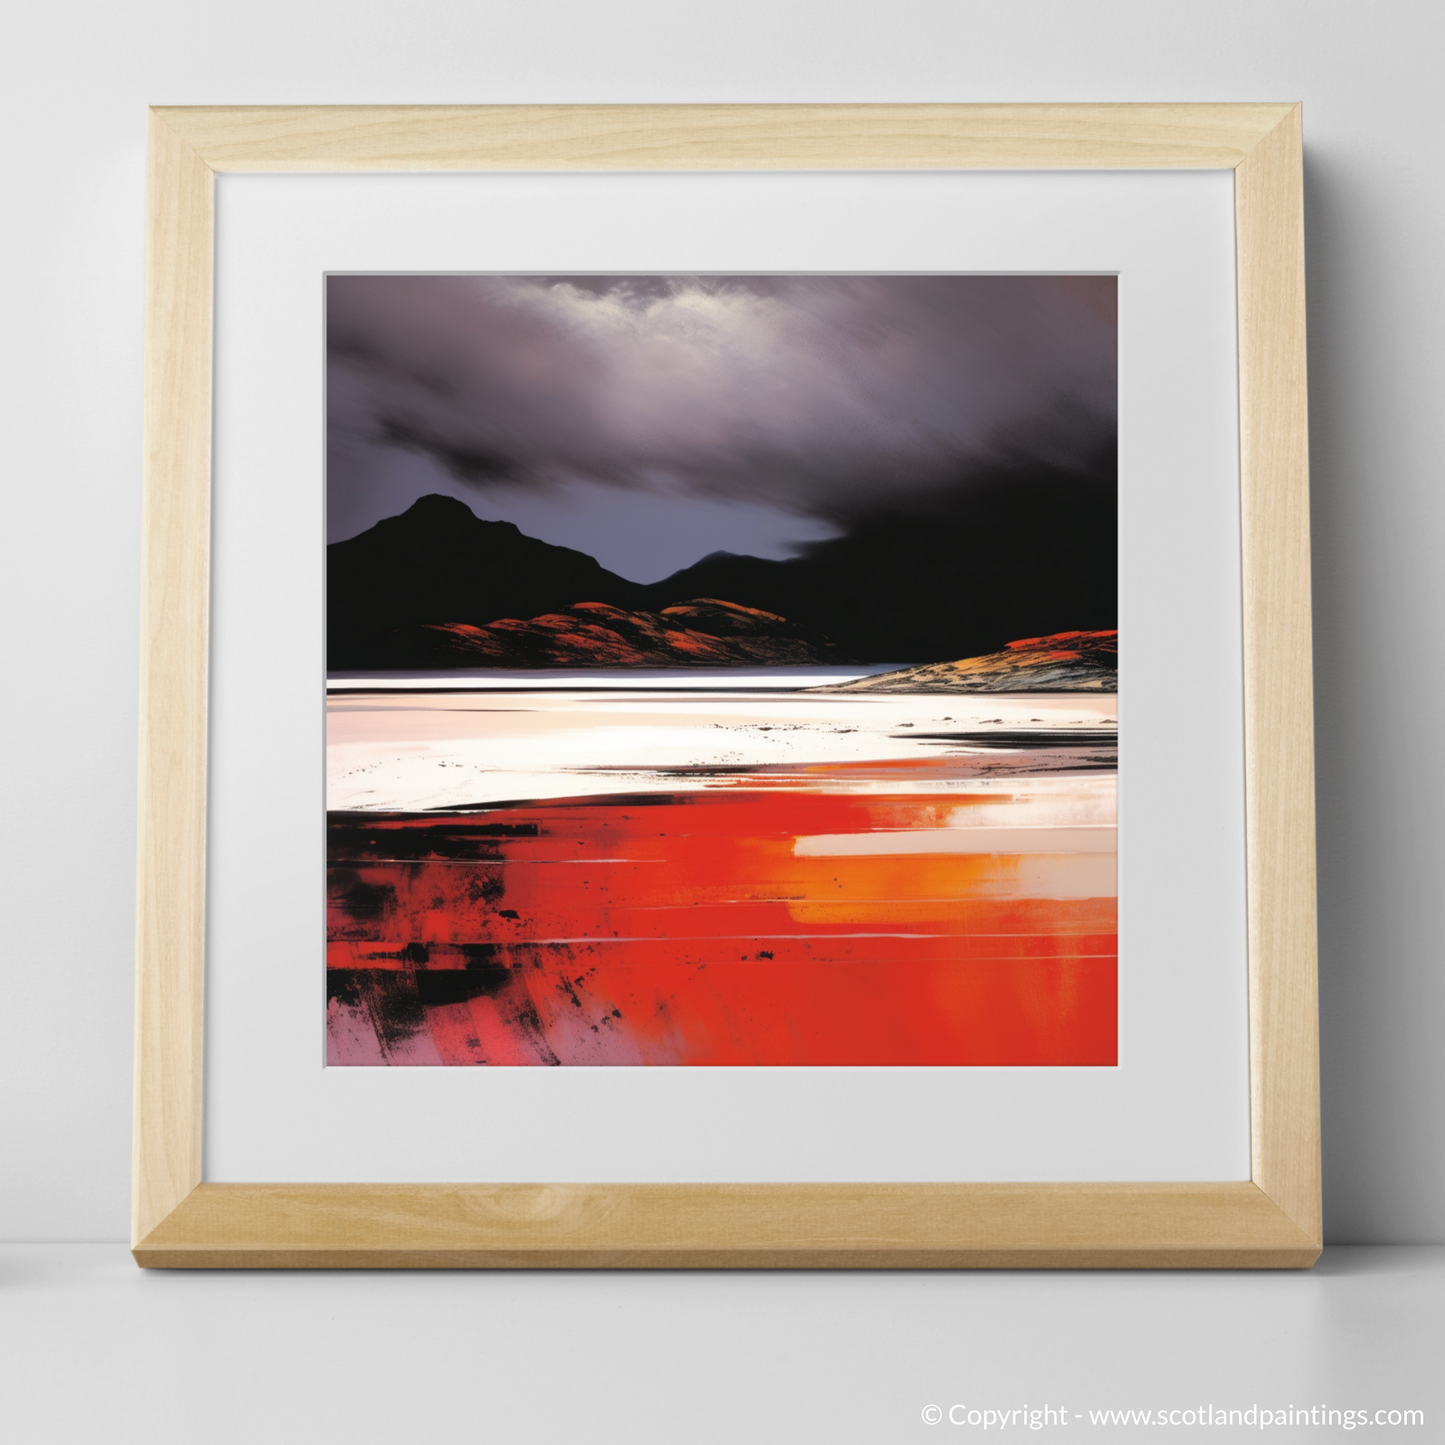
<point x="701" y="1226"/>
<point x="720" y="137"/>
<point x="1272" y="1222"/>
<point x="1279" y="709"/>
<point x="170" y="905"/>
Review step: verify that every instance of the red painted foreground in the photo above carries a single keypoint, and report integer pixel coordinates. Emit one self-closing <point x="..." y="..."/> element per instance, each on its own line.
<point x="682" y="929"/>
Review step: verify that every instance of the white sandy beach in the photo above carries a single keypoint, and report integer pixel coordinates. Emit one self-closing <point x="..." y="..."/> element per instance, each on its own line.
<point x="414" y="751"/>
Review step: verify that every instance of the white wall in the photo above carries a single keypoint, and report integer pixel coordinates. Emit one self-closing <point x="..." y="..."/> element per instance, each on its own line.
<point x="75" y="78"/>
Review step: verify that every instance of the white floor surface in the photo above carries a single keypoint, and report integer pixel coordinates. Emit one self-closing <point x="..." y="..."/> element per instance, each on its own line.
<point x="93" y="1349"/>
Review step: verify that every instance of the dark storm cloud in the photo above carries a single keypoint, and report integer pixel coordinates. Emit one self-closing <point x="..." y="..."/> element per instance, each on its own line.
<point x="819" y="396"/>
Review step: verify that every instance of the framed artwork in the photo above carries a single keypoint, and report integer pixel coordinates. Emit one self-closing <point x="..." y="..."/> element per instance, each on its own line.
<point x="602" y="791"/>
<point x="722" y="680"/>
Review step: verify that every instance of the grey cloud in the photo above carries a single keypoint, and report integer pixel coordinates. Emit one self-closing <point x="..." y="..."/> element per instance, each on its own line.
<point x="812" y="395"/>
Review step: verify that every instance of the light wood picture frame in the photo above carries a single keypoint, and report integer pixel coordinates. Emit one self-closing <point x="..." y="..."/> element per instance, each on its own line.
<point x="1271" y="1220"/>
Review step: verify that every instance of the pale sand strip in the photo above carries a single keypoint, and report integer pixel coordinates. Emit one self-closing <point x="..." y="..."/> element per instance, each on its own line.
<point x="1042" y="839"/>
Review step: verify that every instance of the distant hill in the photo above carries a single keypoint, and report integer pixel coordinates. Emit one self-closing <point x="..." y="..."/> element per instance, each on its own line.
<point x="1005" y="562"/>
<point x="703" y="632"/>
<point x="1019" y="557"/>
<point x="1061" y="662"/>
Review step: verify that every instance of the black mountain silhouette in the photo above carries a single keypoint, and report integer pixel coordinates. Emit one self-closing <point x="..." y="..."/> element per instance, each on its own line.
<point x="439" y="563"/>
<point x="1015" y="556"/>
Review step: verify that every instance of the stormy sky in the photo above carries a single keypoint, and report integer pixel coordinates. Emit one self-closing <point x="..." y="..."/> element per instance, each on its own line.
<point x="649" y="421"/>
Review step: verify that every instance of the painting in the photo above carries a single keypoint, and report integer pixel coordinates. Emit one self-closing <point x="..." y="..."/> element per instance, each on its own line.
<point x="722" y="670"/>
